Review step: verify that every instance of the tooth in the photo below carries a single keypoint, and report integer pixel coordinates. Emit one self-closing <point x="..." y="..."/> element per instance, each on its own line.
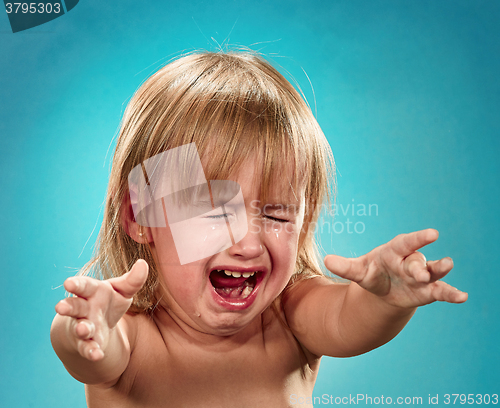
<point x="253" y="273"/>
<point x="228" y="273"/>
<point x="247" y="274"/>
<point x="246" y="292"/>
<point x="236" y="274"/>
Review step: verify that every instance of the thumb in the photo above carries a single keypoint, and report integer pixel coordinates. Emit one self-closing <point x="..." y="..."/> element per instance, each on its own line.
<point x="352" y="269"/>
<point x="131" y="282"/>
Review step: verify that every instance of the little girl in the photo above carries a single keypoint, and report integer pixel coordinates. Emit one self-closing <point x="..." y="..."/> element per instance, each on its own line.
<point x="218" y="178"/>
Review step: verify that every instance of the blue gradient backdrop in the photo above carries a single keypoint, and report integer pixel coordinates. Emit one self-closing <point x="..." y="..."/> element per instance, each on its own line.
<point x="407" y="92"/>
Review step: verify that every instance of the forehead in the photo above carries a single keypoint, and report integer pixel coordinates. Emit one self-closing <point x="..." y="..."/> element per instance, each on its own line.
<point x="278" y="187"/>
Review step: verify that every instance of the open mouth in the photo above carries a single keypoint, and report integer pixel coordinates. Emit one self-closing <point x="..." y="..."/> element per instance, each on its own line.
<point x="233" y="285"/>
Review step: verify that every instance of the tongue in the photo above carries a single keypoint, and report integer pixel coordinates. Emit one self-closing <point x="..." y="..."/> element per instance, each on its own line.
<point x="230" y="292"/>
<point x="229" y="287"/>
<point x="221" y="280"/>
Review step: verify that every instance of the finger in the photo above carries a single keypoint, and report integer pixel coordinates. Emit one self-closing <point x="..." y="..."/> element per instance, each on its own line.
<point x="130" y="283"/>
<point x="74" y="307"/>
<point x="415" y="266"/>
<point x="353" y="269"/>
<point x="439" y="269"/>
<point x="90" y="350"/>
<point x="82" y="286"/>
<point x="447" y="293"/>
<point x="84" y="329"/>
<point x="406" y="244"/>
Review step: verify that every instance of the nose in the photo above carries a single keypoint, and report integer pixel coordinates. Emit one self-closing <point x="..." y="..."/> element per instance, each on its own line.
<point x="249" y="247"/>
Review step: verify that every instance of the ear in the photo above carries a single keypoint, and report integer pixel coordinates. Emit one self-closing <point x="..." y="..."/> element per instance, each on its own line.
<point x="138" y="233"/>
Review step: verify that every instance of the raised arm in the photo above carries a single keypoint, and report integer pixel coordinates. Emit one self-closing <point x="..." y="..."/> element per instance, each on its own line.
<point x="89" y="333"/>
<point x="387" y="285"/>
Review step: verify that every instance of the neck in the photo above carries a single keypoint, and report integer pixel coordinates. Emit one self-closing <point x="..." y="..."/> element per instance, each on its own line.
<point x="168" y="322"/>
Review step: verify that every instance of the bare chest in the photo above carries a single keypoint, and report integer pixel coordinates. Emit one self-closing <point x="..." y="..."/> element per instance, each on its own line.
<point x="170" y="371"/>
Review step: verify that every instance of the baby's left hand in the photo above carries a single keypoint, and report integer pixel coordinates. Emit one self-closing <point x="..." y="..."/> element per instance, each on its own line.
<point x="398" y="273"/>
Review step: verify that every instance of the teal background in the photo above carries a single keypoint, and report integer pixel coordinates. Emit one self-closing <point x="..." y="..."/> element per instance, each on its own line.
<point x="407" y="92"/>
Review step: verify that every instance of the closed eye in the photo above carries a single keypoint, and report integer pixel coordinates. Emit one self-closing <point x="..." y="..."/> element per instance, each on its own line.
<point x="275" y="219"/>
<point x="218" y="216"/>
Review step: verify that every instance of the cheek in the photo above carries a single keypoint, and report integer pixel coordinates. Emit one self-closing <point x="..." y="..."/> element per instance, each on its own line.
<point x="284" y="239"/>
<point x="177" y="280"/>
<point x="162" y="243"/>
<point x="180" y="286"/>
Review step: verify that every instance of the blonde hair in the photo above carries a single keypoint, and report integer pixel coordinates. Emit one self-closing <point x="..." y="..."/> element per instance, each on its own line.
<point x="231" y="105"/>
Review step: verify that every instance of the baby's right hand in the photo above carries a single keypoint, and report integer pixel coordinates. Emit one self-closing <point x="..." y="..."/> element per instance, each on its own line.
<point x="97" y="307"/>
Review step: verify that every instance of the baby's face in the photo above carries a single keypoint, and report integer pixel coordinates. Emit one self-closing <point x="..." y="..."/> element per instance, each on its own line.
<point x="223" y="293"/>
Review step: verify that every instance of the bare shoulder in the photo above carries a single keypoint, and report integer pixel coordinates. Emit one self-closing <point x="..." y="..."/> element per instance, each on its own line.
<point x="137" y="325"/>
<point x="144" y="336"/>
<point x="304" y="290"/>
<point x="140" y="330"/>
<point x="308" y="305"/>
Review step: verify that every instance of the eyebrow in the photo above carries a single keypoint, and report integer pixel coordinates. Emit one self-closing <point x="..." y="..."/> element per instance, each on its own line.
<point x="203" y="203"/>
